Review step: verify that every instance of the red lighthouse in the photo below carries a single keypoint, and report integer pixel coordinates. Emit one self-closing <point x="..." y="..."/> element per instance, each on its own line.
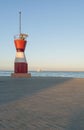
<point x="20" y="64"/>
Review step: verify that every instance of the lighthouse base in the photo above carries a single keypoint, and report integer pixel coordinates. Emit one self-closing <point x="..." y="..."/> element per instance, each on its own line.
<point x="21" y="75"/>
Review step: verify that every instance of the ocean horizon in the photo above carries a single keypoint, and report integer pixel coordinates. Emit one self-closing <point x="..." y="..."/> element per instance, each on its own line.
<point x="72" y="74"/>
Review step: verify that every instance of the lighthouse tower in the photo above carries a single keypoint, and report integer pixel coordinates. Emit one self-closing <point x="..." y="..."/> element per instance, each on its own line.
<point x="20" y="64"/>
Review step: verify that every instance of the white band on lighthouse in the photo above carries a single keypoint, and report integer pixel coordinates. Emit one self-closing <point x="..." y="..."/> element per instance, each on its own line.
<point x="20" y="57"/>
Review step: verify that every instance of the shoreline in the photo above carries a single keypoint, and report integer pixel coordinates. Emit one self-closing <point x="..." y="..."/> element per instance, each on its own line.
<point x="50" y="74"/>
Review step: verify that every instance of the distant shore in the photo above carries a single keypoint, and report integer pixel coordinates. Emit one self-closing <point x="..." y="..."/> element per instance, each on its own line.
<point x="41" y="103"/>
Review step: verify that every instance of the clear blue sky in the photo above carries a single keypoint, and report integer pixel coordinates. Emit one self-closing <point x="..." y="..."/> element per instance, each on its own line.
<point x="56" y="33"/>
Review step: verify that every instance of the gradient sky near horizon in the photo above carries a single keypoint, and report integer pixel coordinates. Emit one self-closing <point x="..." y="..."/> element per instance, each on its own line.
<point x="56" y="33"/>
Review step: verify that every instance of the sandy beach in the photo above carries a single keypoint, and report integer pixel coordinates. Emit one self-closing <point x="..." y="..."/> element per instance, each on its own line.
<point x="40" y="103"/>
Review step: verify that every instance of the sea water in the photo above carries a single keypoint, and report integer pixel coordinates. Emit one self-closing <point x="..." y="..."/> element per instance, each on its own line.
<point x="49" y="74"/>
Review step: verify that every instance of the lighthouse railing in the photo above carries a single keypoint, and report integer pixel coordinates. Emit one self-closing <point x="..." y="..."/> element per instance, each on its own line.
<point x="21" y="36"/>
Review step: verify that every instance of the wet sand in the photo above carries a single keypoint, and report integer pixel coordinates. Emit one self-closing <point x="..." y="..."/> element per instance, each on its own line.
<point x="39" y="103"/>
